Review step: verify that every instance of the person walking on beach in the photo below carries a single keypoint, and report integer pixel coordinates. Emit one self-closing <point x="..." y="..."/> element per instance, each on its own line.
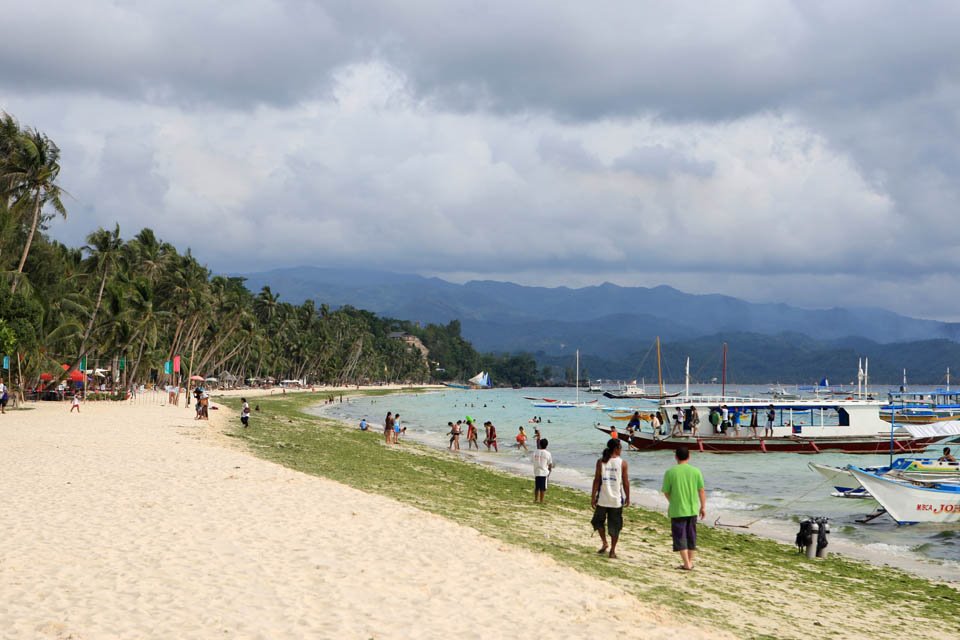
<point x="491" y="440"/>
<point x="609" y="495"/>
<point x="4" y="397"/>
<point x="397" y="428"/>
<point x="75" y="403"/>
<point x="245" y="413"/>
<point x="771" y="416"/>
<point x="724" y="419"/>
<point x="522" y="440"/>
<point x="388" y="428"/>
<point x="754" y="422"/>
<point x="683" y="488"/>
<point x="472" y="435"/>
<point x="454" y="436"/>
<point x="542" y="466"/>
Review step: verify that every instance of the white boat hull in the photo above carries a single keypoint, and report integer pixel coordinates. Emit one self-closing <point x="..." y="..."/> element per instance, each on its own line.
<point x="908" y="503"/>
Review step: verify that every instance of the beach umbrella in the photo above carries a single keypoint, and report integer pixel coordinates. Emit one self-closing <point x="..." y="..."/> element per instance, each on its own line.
<point x="65" y="367"/>
<point x="197" y="378"/>
<point x="46" y="377"/>
<point x="76" y="376"/>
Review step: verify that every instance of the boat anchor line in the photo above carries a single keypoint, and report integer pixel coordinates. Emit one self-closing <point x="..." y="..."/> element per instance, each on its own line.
<point x="717" y="523"/>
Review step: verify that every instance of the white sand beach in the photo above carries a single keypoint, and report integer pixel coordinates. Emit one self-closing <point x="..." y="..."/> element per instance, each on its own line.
<point x="135" y="521"/>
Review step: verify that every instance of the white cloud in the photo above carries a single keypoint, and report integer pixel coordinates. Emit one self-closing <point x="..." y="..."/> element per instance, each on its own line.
<point x="751" y="151"/>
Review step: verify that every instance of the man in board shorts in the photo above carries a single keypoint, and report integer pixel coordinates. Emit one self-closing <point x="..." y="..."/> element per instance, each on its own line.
<point x="683" y="488"/>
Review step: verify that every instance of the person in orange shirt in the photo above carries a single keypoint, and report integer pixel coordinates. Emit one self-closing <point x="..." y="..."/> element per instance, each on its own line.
<point x="522" y="440"/>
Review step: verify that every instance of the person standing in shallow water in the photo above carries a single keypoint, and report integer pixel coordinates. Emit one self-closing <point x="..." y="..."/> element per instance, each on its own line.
<point x="388" y="427"/>
<point x="683" y="488"/>
<point x="522" y="439"/>
<point x="472" y="435"/>
<point x="610" y="494"/>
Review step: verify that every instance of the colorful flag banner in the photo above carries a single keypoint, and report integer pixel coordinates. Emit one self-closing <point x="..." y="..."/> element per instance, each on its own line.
<point x="6" y="362"/>
<point x="176" y="364"/>
<point x="122" y="364"/>
<point x="83" y="364"/>
<point x="168" y="367"/>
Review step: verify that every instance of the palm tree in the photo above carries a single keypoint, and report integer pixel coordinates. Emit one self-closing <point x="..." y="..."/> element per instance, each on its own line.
<point x="30" y="172"/>
<point x="105" y="249"/>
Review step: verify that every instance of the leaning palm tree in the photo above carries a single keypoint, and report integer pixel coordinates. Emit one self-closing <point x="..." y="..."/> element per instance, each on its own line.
<point x="105" y="249"/>
<point x="30" y="173"/>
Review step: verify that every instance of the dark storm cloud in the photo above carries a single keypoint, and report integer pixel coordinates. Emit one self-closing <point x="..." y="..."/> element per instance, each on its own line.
<point x="585" y="61"/>
<point x="238" y="54"/>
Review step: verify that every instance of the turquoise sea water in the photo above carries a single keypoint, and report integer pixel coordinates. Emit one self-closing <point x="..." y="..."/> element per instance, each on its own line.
<point x="777" y="488"/>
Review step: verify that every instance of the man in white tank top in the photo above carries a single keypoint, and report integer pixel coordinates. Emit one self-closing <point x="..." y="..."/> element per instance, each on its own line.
<point x="611" y="492"/>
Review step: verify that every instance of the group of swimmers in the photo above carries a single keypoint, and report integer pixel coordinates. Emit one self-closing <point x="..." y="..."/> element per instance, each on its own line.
<point x="489" y="431"/>
<point x="490" y="436"/>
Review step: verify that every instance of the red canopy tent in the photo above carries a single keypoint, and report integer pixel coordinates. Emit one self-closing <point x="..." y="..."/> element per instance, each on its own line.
<point x="76" y="376"/>
<point x="46" y="377"/>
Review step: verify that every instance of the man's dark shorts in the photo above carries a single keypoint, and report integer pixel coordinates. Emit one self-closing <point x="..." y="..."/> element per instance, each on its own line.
<point x="540" y="483"/>
<point x="613" y="518"/>
<point x="684" y="531"/>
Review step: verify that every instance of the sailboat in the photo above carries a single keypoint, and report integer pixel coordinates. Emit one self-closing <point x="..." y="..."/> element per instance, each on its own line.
<point x="591" y="403"/>
<point x="633" y="392"/>
<point x="549" y="403"/>
<point x="480" y="381"/>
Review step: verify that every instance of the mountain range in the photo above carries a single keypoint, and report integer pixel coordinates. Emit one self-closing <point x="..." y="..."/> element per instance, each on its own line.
<point x="614" y="326"/>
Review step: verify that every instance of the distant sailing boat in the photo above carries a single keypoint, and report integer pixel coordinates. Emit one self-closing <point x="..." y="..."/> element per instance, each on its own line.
<point x="633" y="392"/>
<point x="480" y="381"/>
<point x="591" y="403"/>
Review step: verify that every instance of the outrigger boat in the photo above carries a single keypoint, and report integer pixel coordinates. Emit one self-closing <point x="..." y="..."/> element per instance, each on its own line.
<point x="911" y="502"/>
<point x="921" y="407"/>
<point x="801" y="426"/>
<point x="910" y="469"/>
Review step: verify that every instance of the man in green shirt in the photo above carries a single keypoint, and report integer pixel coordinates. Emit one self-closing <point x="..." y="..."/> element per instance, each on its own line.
<point x="683" y="487"/>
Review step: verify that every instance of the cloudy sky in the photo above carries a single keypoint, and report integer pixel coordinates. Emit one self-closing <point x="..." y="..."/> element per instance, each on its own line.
<point x="805" y="152"/>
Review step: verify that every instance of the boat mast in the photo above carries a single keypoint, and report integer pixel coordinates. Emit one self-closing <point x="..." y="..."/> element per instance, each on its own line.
<point x="686" y="387"/>
<point x="866" y="376"/>
<point x="659" y="371"/>
<point x="723" y="380"/>
<point x="860" y="378"/>
<point x="948" y="378"/>
<point x="578" y="376"/>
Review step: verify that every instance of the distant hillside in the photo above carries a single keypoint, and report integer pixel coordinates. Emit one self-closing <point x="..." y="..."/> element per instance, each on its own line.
<point x="615" y="325"/>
